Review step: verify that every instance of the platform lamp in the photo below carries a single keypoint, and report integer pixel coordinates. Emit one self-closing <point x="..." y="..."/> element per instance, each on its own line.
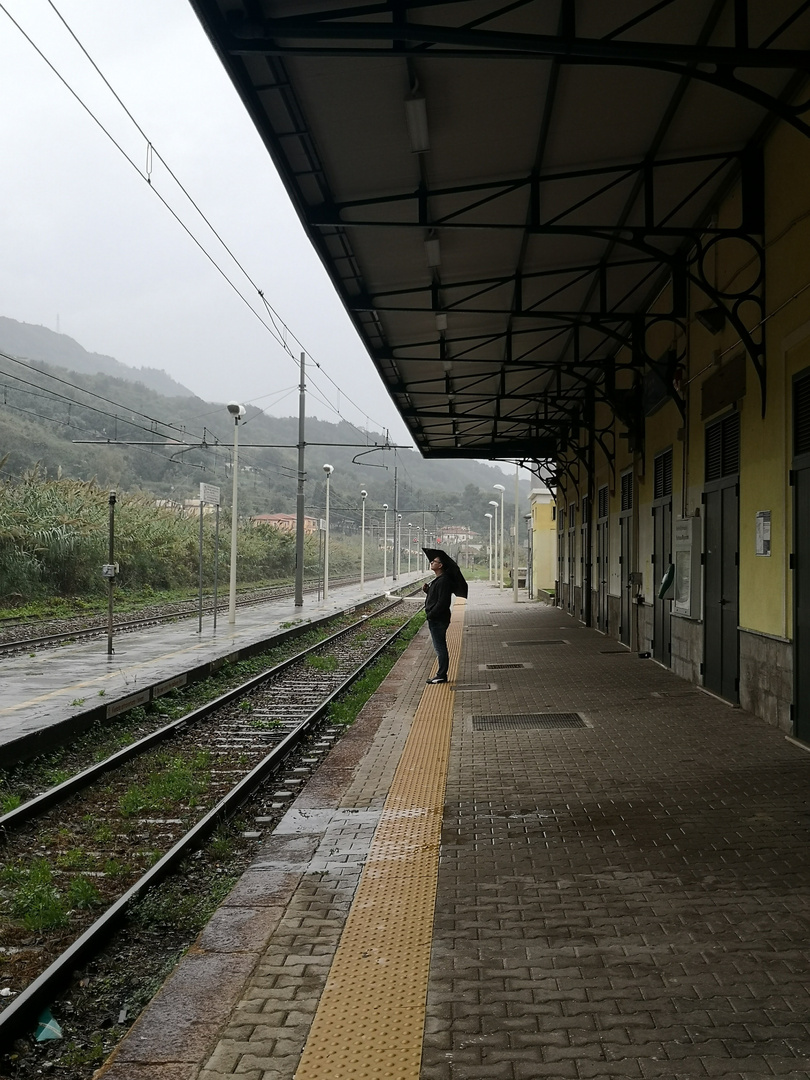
<point x="237" y="411"/>
<point x="385" y="543"/>
<point x="489" y="549"/>
<point x="363" y="496"/>
<point x="502" y="489"/>
<point x="410" y="526"/>
<point x="398" y="544"/>
<point x="328" y="469"/>
<point x="494" y="503"/>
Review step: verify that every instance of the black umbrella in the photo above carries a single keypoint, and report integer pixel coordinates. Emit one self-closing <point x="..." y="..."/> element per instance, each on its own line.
<point x="451" y="568"/>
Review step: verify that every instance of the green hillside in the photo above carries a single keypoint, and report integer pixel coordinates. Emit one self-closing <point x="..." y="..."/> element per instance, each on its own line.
<point x="126" y="436"/>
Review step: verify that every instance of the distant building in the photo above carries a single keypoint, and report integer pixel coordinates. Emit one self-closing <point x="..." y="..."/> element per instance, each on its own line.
<point x="456" y="534"/>
<point x="544" y="541"/>
<point x="285" y="522"/>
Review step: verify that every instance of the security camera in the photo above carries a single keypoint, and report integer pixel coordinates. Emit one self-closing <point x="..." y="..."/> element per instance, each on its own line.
<point x="328" y="469"/>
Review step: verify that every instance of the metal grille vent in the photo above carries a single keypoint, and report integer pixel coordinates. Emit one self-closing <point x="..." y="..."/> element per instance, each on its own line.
<point x="627" y="491"/>
<point x="516" y="721"/>
<point x="501" y="667"/>
<point x="547" y="641"/>
<point x="663" y="475"/>
<point x="603" y="501"/>
<point x="801" y="416"/>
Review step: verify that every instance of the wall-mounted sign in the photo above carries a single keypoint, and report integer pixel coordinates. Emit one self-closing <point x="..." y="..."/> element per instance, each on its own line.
<point x="763" y="532"/>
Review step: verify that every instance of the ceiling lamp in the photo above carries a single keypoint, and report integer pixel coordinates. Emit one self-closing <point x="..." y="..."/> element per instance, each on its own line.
<point x="416" y="119"/>
<point x="432" y="249"/>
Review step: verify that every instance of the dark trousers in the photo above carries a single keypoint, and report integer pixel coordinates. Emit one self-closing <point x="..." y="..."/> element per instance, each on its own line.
<point x="438" y="633"/>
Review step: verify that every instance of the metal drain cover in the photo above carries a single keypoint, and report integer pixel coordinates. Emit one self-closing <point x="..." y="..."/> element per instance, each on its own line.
<point x="472" y="686"/>
<point x="500" y="667"/>
<point x="539" y="641"/>
<point x="483" y="722"/>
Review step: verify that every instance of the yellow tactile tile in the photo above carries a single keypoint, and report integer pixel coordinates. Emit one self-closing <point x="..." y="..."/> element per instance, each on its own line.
<point x="370" y="1020"/>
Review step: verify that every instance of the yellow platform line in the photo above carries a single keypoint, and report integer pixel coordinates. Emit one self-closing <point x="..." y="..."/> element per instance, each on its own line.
<point x="370" y="1020"/>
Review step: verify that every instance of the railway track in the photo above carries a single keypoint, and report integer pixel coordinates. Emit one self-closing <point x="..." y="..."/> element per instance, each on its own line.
<point x="104" y="838"/>
<point x="16" y="636"/>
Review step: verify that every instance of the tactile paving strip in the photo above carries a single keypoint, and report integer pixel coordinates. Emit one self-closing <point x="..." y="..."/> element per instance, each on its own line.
<point x="370" y="1020"/>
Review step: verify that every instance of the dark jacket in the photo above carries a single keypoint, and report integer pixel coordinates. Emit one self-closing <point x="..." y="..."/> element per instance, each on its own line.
<point x="438" y="599"/>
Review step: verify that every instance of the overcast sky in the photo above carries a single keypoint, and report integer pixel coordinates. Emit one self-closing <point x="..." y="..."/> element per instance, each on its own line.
<point x="88" y="247"/>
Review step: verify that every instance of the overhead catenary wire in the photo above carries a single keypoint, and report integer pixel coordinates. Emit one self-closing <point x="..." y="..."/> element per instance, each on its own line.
<point x="279" y="335"/>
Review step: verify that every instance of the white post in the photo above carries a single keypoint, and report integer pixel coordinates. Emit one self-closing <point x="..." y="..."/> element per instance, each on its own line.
<point x="410" y="526"/>
<point x="493" y="503"/>
<point x="328" y="470"/>
<point x="363" y="495"/>
<point x="385" y="543"/>
<point x="502" y="489"/>
<point x="237" y="411"/>
<point x="399" y="545"/>
<point x="515" y="545"/>
<point x="489" y="549"/>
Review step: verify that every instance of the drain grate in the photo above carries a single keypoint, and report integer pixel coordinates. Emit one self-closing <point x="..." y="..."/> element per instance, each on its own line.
<point x="540" y="641"/>
<point x="615" y="652"/>
<point x="500" y="667"/>
<point x="484" y="722"/>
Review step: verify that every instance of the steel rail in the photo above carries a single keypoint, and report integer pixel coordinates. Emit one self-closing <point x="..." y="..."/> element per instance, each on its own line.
<point x="141" y="624"/>
<point x="17" y="1018"/>
<point x="61" y="792"/>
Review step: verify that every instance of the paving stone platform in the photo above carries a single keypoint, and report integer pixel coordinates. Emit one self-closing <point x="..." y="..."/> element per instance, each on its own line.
<point x="626" y="898"/>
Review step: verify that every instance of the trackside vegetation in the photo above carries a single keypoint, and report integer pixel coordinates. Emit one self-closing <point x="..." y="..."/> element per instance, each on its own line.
<point x="54" y="536"/>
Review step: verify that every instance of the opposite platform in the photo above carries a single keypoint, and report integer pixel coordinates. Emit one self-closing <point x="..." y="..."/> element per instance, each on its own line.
<point x="79" y="683"/>
<point x="621" y="890"/>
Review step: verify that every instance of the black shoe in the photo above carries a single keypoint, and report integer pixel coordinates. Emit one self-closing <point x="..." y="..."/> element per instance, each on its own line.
<point x="436" y="680"/>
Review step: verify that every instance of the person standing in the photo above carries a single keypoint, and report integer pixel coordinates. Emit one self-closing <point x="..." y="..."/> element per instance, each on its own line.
<point x="448" y="580"/>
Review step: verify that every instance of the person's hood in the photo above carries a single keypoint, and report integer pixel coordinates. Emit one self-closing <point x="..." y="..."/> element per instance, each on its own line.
<point x="458" y="582"/>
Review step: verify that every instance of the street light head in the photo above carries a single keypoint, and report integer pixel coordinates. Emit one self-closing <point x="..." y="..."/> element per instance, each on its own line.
<point x="493" y="502"/>
<point x="363" y="495"/>
<point x="499" y="487"/>
<point x="385" y="506"/>
<point x="488" y="515"/>
<point x="328" y="469"/>
<point x="236" y="410"/>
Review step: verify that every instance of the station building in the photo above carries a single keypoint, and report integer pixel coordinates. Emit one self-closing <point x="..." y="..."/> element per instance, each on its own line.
<point x="577" y="235"/>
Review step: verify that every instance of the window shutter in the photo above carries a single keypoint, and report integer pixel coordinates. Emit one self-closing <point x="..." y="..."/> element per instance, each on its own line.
<point x="627" y="491"/>
<point x="801" y="416"/>
<point x="662" y="484"/>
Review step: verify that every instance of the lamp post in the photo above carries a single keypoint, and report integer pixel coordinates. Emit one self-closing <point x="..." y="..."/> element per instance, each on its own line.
<point x="410" y="526"/>
<point x="237" y="411"/>
<point x="399" y="545"/>
<point x="385" y="543"/>
<point x="489" y="549"/>
<point x="328" y="469"/>
<point x="502" y="489"/>
<point x="493" y="503"/>
<point x="363" y="496"/>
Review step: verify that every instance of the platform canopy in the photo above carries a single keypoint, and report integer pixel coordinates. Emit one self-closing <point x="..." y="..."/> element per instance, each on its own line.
<point x="499" y="190"/>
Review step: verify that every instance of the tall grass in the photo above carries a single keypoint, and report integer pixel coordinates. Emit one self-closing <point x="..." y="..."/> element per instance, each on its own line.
<point x="54" y="537"/>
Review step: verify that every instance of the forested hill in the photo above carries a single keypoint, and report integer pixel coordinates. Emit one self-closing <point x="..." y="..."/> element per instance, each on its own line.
<point x="86" y="426"/>
<point x="41" y="344"/>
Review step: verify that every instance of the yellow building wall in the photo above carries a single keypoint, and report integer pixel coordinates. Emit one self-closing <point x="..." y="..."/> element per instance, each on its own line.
<point x="544" y="544"/>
